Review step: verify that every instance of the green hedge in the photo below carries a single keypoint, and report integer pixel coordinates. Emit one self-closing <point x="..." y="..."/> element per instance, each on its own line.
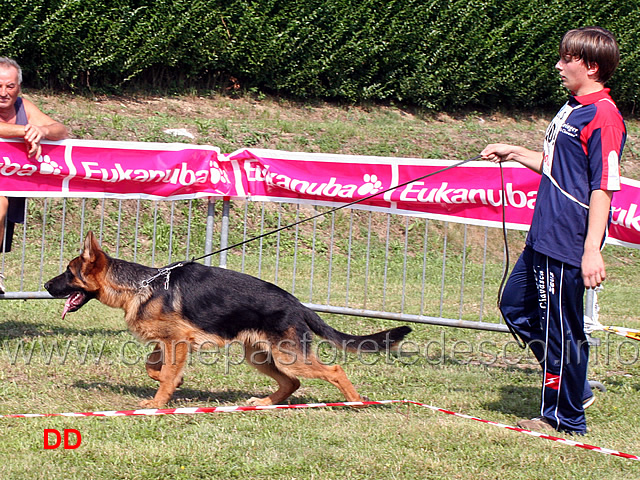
<point x="432" y="53"/>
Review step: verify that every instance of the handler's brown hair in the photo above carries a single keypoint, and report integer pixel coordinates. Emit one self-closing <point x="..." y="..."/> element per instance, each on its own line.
<point x="593" y="45"/>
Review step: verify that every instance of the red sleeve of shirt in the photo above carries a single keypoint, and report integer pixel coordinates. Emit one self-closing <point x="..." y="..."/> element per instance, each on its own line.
<point x="602" y="140"/>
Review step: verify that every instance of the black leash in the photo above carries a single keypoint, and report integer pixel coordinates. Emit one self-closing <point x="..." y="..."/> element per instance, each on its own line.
<point x="166" y="271"/>
<point x="505" y="273"/>
<point x="336" y="209"/>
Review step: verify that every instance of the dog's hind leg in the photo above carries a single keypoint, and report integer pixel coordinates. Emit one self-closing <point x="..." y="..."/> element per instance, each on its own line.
<point x="170" y="377"/>
<point x="262" y="361"/>
<point x="308" y="366"/>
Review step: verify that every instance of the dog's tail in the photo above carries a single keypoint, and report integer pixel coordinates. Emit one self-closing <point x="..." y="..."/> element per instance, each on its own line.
<point x="381" y="341"/>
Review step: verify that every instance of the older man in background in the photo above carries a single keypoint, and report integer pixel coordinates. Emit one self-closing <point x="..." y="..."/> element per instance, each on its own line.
<point x="20" y="118"/>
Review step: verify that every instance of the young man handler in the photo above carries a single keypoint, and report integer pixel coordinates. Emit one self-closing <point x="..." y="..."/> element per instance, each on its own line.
<point x="543" y="298"/>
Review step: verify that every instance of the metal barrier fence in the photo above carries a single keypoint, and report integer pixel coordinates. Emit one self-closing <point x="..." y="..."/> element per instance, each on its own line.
<point x="352" y="262"/>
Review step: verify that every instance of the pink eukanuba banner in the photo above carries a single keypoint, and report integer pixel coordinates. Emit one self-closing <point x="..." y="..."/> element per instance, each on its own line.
<point x="472" y="193"/>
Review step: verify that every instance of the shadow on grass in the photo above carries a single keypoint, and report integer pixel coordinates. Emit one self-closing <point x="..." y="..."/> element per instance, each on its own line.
<point x="184" y="395"/>
<point x="13" y="329"/>
<point x="521" y="401"/>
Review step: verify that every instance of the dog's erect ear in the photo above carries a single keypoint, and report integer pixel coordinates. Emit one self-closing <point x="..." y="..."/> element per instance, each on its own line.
<point x="91" y="248"/>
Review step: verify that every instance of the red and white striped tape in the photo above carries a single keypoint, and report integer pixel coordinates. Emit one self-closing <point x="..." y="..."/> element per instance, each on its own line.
<point x="532" y="433"/>
<point x="193" y="410"/>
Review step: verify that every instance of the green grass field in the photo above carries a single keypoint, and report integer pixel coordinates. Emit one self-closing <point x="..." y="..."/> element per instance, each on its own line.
<point x="90" y="362"/>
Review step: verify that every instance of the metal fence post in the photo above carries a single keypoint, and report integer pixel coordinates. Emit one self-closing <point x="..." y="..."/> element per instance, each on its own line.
<point x="208" y="245"/>
<point x="224" y="231"/>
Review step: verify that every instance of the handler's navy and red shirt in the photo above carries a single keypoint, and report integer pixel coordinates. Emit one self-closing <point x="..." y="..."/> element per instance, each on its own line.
<point x="582" y="150"/>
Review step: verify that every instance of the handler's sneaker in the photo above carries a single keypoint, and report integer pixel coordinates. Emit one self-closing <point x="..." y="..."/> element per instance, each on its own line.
<point x="587" y="402"/>
<point x="2" y="288"/>
<point x="538" y="424"/>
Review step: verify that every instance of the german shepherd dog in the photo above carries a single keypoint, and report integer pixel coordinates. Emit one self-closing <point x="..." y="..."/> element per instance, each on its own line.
<point x="194" y="306"/>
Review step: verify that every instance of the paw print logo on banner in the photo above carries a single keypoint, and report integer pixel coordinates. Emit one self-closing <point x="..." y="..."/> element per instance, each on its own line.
<point x="217" y="174"/>
<point x="48" y="166"/>
<point x="371" y="186"/>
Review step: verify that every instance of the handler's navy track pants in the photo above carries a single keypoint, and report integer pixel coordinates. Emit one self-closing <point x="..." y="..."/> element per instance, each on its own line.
<point x="543" y="303"/>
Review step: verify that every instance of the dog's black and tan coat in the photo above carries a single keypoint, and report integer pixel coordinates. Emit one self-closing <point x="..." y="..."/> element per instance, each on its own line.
<point x="208" y="306"/>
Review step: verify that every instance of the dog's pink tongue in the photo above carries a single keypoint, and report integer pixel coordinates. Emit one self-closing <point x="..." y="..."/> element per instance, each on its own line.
<point x="71" y="301"/>
<point x="67" y="306"/>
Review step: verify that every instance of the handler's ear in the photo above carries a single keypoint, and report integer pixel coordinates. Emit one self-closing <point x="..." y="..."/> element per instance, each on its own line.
<point x="593" y="70"/>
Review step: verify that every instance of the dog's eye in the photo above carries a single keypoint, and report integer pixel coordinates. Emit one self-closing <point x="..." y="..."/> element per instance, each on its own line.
<point x="71" y="275"/>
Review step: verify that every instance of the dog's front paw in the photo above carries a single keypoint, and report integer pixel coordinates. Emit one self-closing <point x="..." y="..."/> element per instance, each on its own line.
<point x="362" y="399"/>
<point x="151" y="403"/>
<point x="259" y="402"/>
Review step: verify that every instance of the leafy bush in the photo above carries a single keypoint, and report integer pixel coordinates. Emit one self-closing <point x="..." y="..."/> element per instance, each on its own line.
<point x="431" y="53"/>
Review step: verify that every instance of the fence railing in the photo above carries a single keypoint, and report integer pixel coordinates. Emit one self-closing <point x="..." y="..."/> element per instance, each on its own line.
<point x="351" y="262"/>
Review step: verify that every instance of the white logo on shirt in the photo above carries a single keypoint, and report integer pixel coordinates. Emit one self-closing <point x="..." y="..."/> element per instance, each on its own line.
<point x="551" y="136"/>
